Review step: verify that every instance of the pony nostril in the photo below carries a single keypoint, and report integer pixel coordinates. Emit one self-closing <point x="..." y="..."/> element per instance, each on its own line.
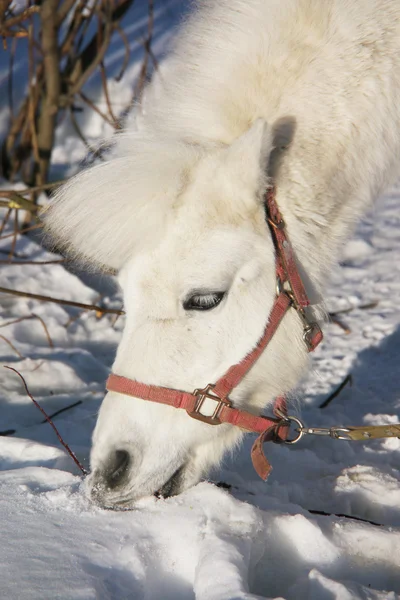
<point x="117" y="468"/>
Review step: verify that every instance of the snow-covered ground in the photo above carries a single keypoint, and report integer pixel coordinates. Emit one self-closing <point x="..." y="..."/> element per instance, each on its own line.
<point x="256" y="539"/>
<point x="253" y="540"/>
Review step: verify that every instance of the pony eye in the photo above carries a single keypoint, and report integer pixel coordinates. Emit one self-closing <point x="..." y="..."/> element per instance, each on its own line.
<point x="205" y="301"/>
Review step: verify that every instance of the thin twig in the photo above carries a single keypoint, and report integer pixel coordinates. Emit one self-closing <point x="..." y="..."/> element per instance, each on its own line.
<point x="48" y="419"/>
<point x="20" y="232"/>
<point x="35" y="188"/>
<point x="351" y="308"/>
<point x="32" y="262"/>
<point x="4" y="223"/>
<point x="73" y="319"/>
<point x="62" y="410"/>
<point x="75" y="22"/>
<point x="7" y="341"/>
<point x="17" y="202"/>
<point x="10" y="81"/>
<point x="127" y="52"/>
<point x="26" y="318"/>
<point x="98" y="309"/>
<point x="16" y="254"/>
<point x="18" y="19"/>
<point x="15" y="236"/>
<point x="11" y="140"/>
<point x="83" y="72"/>
<point x="40" y="363"/>
<point x="46" y="331"/>
<point x="80" y="16"/>
<point x="65" y="7"/>
<point x="114" y="321"/>
<point x="336" y="392"/>
<point x="94" y="107"/>
<point x="33" y="98"/>
<point x="342" y="515"/>
<point x="333" y="316"/>
<point x="107" y="95"/>
<point x="12" y="34"/>
<point x="336" y="321"/>
<point x="92" y="150"/>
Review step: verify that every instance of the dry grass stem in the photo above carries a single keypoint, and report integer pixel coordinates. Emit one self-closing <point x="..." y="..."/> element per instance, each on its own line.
<point x="48" y="419"/>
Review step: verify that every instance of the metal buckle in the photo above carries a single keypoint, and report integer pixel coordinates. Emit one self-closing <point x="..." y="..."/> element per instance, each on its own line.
<point x="207" y="394"/>
<point x="309" y="333"/>
<point x="310" y="328"/>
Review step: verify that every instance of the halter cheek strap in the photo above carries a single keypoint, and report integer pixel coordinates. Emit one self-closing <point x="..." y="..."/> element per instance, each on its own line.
<point x="291" y="293"/>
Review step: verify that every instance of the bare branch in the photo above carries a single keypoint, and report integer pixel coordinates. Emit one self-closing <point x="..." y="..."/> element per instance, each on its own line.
<point x="114" y="120"/>
<point x="49" y="109"/>
<point x="36" y="226"/>
<point x="96" y="109"/>
<point x="7" y="341"/>
<point x="65" y="7"/>
<point x="99" y="309"/>
<point x="32" y="262"/>
<point x="4" y="223"/>
<point x="127" y="52"/>
<point x="17" y="202"/>
<point x="37" y="188"/>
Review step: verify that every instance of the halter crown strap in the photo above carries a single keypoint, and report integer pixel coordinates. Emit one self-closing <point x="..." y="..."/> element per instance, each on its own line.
<point x="269" y="428"/>
<point x="286" y="262"/>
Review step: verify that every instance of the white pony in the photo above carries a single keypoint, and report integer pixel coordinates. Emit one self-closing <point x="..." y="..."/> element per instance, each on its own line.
<point x="302" y="92"/>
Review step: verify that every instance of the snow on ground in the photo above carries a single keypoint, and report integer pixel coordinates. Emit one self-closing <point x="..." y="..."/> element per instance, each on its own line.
<point x="280" y="539"/>
<point x="256" y="540"/>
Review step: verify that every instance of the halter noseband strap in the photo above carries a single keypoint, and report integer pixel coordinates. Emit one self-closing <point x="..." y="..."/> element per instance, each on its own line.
<point x="290" y="293"/>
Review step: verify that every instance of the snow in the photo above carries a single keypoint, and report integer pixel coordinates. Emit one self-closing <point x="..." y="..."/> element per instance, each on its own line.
<point x="280" y="539"/>
<point x="255" y="540"/>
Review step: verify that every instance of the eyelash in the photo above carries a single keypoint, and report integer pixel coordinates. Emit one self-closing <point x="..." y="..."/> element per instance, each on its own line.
<point x="206" y="301"/>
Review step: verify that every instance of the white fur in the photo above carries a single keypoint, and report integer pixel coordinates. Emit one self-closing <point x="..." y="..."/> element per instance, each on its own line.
<point x="306" y="90"/>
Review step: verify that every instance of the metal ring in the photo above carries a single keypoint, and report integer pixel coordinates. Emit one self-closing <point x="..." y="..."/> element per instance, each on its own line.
<point x="300" y="431"/>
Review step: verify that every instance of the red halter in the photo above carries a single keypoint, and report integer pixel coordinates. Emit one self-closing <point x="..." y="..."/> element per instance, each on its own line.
<point x="269" y="428"/>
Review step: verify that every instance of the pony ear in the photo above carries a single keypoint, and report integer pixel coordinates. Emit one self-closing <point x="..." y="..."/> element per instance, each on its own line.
<point x="248" y="155"/>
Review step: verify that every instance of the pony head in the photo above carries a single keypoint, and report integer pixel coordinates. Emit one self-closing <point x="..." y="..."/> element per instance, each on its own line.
<point x="184" y="226"/>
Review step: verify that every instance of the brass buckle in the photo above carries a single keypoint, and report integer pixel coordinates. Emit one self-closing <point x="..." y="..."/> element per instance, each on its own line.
<point x="207" y="394"/>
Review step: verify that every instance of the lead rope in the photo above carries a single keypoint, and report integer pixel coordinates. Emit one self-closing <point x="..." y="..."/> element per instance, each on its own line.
<point x="352" y="433"/>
